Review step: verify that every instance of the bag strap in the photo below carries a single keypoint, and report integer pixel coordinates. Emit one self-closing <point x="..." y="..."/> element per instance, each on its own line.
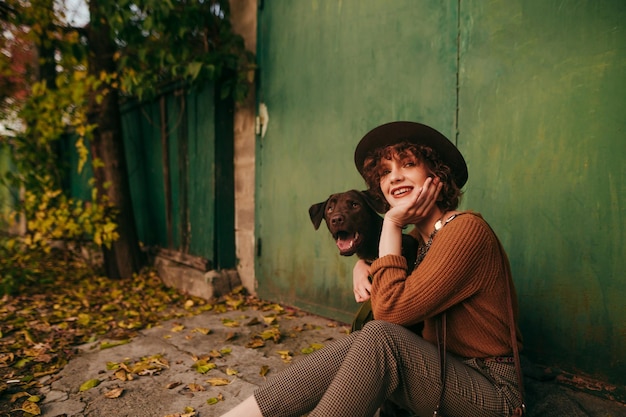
<point x="362" y="316"/>
<point x="440" y="330"/>
<point x="521" y="409"/>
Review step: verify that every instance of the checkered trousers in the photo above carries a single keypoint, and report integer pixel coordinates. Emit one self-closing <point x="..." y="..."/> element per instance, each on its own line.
<point x="354" y="375"/>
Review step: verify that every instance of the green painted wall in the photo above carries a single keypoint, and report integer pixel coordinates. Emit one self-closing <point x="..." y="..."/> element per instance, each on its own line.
<point x="542" y="123"/>
<point x="201" y="174"/>
<point x="143" y="148"/>
<point x="191" y="160"/>
<point x="330" y="72"/>
<point x="533" y="93"/>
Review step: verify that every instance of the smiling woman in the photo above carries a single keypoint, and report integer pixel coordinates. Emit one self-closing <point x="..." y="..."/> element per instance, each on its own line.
<point x="463" y="275"/>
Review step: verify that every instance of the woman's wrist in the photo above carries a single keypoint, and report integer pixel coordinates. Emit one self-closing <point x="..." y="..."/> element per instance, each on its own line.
<point x="389" y="220"/>
<point x="390" y="238"/>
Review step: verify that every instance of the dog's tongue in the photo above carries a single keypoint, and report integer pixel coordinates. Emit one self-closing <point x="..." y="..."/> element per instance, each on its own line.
<point x="345" y="241"/>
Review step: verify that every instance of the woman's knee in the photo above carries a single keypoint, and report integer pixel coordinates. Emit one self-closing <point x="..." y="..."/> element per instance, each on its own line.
<point x="380" y="330"/>
<point x="380" y="326"/>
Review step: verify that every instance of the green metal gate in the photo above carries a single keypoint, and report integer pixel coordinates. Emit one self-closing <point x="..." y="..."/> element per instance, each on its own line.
<point x="180" y="156"/>
<point x="330" y="71"/>
<point x="179" y="149"/>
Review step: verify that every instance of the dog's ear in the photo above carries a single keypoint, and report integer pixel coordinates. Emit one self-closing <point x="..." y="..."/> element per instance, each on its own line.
<point x="316" y="213"/>
<point x="375" y="203"/>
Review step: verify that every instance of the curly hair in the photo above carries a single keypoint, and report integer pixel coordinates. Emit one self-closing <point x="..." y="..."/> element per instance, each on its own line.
<point x="450" y="194"/>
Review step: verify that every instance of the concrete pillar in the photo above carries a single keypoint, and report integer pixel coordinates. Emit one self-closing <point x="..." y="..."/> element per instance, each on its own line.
<point x="244" y="21"/>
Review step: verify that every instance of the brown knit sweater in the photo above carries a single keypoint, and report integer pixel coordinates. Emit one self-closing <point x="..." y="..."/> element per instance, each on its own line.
<point x="463" y="273"/>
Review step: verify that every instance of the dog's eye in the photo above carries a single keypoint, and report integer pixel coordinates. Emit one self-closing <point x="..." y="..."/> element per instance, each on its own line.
<point x="355" y="204"/>
<point x="329" y="209"/>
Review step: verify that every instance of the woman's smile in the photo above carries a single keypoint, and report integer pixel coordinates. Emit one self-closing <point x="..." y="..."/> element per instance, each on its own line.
<point x="401" y="191"/>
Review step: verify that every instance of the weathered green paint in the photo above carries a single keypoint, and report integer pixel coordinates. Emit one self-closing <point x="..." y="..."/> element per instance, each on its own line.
<point x="144" y="156"/>
<point x="542" y="122"/>
<point x="330" y="71"/>
<point x="541" y="116"/>
<point x="177" y="129"/>
<point x="225" y="186"/>
<point x="201" y="174"/>
<point x="188" y="149"/>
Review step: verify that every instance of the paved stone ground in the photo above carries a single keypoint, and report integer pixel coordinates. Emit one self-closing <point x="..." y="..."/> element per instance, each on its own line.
<point x="174" y="384"/>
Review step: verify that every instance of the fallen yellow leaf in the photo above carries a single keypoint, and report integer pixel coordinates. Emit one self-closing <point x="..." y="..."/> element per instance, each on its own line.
<point x="6" y="358"/>
<point x="108" y="345"/>
<point x="215" y="354"/>
<point x="215" y="400"/>
<point x="312" y="348"/>
<point x="114" y="393"/>
<point x="255" y="343"/>
<point x="186" y="414"/>
<point x="217" y="382"/>
<point x="87" y="385"/>
<point x="203" y="366"/>
<point x="285" y="355"/>
<point x="31" y="408"/>
<point x="178" y="328"/>
<point x="195" y="387"/>
<point x="230" y="323"/>
<point x="202" y="330"/>
<point x="273" y="333"/>
<point x="18" y="395"/>
<point x="121" y="374"/>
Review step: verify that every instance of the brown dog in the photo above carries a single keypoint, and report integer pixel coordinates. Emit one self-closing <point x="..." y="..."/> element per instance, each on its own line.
<point x="353" y="220"/>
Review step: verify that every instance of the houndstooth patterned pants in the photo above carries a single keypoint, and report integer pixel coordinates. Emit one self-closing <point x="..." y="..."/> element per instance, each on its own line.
<point x="354" y="375"/>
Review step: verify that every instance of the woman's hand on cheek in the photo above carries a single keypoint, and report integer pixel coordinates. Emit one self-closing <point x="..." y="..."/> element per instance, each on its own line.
<point x="415" y="207"/>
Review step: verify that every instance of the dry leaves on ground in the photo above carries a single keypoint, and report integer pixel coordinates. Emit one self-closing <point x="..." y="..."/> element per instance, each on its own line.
<point x="41" y="327"/>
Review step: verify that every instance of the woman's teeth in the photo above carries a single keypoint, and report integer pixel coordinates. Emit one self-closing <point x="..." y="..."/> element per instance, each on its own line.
<point x="401" y="191"/>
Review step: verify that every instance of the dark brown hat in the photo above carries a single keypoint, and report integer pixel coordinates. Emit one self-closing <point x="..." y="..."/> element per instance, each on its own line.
<point x="396" y="132"/>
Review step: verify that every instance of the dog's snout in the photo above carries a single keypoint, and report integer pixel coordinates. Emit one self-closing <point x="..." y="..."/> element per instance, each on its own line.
<point x="337" y="220"/>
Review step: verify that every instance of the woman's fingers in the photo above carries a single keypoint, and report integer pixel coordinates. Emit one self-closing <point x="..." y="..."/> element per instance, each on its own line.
<point x="418" y="205"/>
<point x="360" y="281"/>
<point x="361" y="295"/>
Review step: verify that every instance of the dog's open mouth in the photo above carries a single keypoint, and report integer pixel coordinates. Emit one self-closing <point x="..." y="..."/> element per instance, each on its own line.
<point x="347" y="243"/>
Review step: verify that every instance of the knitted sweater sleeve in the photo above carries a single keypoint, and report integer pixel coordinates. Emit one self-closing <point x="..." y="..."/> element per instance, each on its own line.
<point x="459" y="264"/>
